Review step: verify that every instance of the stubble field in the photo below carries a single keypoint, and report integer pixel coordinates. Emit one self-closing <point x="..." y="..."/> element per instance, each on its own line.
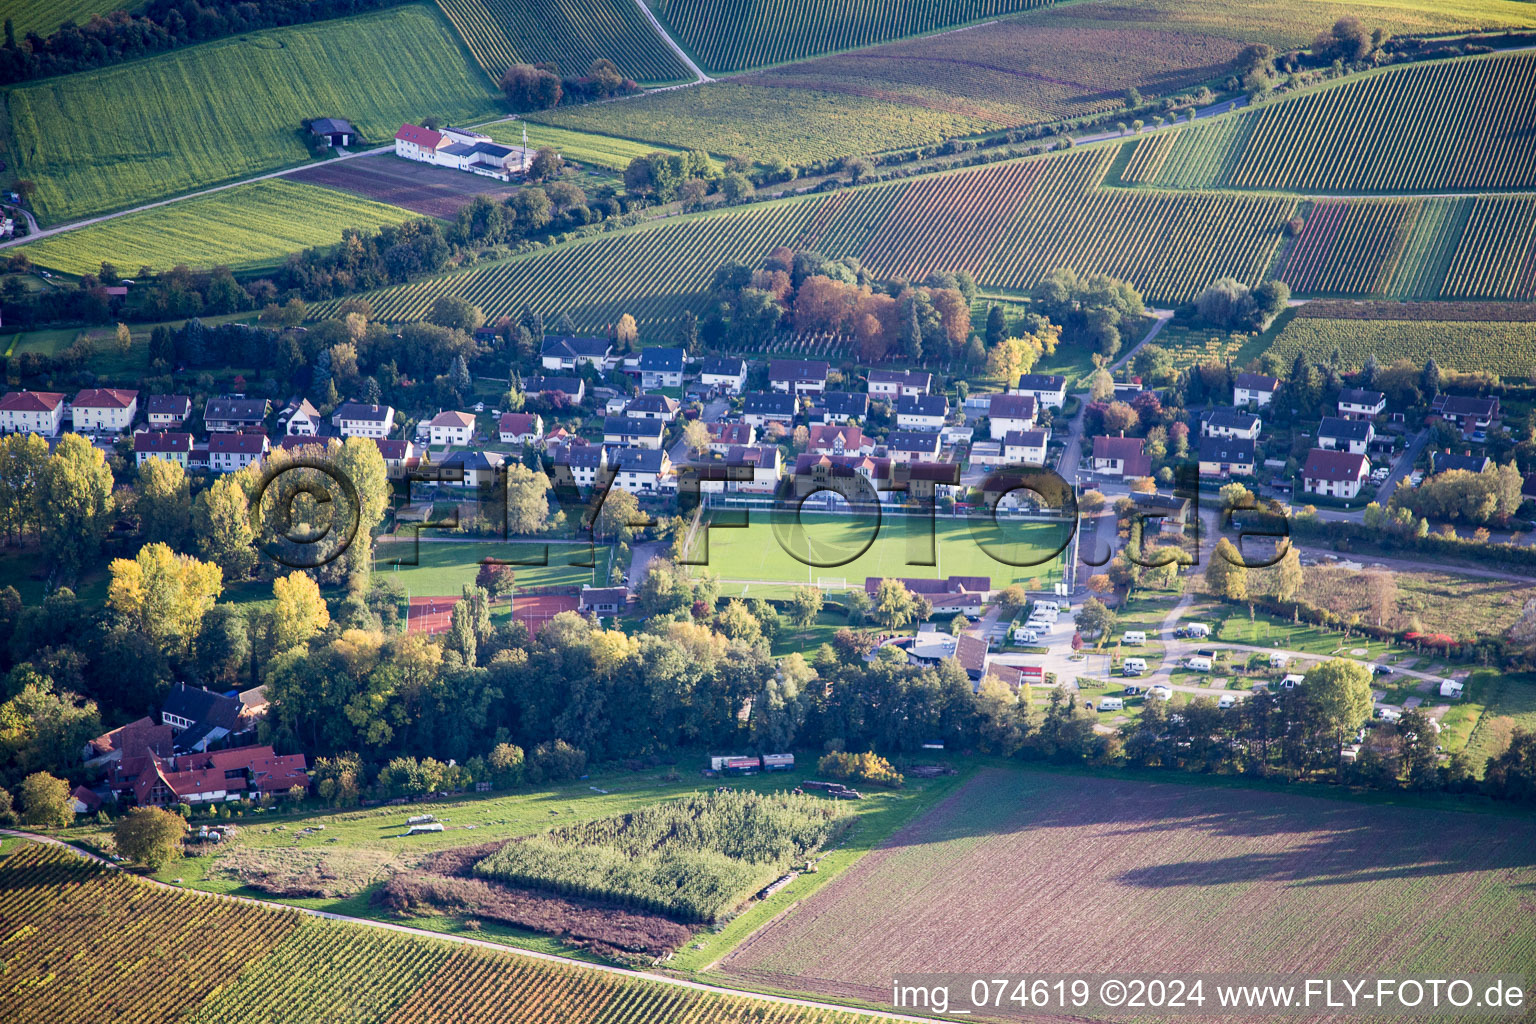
<point x="1044" y="873"/>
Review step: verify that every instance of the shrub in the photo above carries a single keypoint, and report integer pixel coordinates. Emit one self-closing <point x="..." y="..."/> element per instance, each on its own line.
<point x="869" y="766"/>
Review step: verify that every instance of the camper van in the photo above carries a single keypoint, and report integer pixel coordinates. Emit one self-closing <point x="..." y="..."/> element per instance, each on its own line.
<point x="1161" y="692"/>
<point x="1199" y="663"/>
<point x="1111" y="704"/>
<point x="1197" y="630"/>
<point x="1134" y="637"/>
<point x="1290" y="681"/>
<point x="1388" y="714"/>
<point x="1450" y="688"/>
<point x="1025" y="635"/>
<point x="1226" y="701"/>
<point x="1279" y="659"/>
<point x="1133" y="666"/>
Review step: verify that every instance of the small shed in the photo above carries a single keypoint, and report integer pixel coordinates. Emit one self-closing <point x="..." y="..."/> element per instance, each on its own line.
<point x="335" y="131"/>
<point x="1450" y="688"/>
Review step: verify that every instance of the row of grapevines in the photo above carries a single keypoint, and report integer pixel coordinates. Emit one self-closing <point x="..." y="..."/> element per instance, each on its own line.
<point x="571" y="33"/>
<point x="1349" y="247"/>
<point x="1497" y="255"/>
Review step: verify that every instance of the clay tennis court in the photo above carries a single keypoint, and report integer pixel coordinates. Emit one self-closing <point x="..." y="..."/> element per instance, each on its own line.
<point x="433" y="615"/>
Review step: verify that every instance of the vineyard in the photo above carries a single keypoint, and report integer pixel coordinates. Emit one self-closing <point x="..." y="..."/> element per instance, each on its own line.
<point x="43" y="16"/>
<point x="1348" y="248"/>
<point x="570" y="33"/>
<point x="240" y="227"/>
<point x="1491" y="337"/>
<point x="1021" y="71"/>
<point x="592" y="150"/>
<point x="1497" y="255"/>
<point x="84" y="945"/>
<point x="126" y="134"/>
<point x="729" y="35"/>
<point x="1442" y="126"/>
<point x="1205" y="879"/>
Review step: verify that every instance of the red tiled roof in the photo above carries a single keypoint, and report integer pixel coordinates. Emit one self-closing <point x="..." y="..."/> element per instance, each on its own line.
<point x="426" y="138"/>
<point x="106" y="398"/>
<point x="31" y="401"/>
<point x="824" y="435"/>
<point x="1334" y="466"/>
<point x="1122" y="448"/>
<point x="452" y="419"/>
<point x="516" y="422"/>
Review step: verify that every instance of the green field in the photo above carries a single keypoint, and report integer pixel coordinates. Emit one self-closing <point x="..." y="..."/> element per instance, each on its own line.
<point x="758" y="122"/>
<point x="241" y="227"/>
<point x="571" y="33"/>
<point x="1493" y="346"/>
<point x="582" y="147"/>
<point x="1496" y="704"/>
<point x="43" y="16"/>
<point x="443" y="568"/>
<point x="217" y="112"/>
<point x="768" y="557"/>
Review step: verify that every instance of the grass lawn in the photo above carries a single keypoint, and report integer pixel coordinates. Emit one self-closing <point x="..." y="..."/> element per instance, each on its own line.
<point x="242" y="228"/>
<point x="1493" y="705"/>
<point x="773" y="548"/>
<point x="582" y="147"/>
<point x="220" y="111"/>
<point x="441" y="568"/>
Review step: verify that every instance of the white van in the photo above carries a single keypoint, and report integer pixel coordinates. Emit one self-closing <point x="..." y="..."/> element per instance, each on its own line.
<point x="1197" y="629"/>
<point x="1111" y="704"/>
<point x="1048" y="606"/>
<point x="1199" y="663"/>
<point x="1161" y="692"/>
<point x="1025" y="635"/>
<point x="1133" y="666"/>
<point x="1134" y="637"/>
<point x="1226" y="701"/>
<point x="1290" y="681"/>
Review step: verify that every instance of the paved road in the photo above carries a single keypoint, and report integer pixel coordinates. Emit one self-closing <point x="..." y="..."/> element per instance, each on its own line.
<point x="1162" y="317"/>
<point x="699" y="75"/>
<point x="494" y="946"/>
<point x="1402" y="467"/>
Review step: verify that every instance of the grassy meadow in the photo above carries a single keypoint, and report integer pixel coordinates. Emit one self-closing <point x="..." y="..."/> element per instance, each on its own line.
<point x="242" y="227"/>
<point x="108" y="139"/>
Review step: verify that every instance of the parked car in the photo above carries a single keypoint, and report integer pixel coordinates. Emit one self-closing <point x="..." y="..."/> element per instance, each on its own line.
<point x="1131" y="691"/>
<point x="1381" y="670"/>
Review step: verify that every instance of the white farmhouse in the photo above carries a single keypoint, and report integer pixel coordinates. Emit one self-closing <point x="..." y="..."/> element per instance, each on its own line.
<point x="105" y="409"/>
<point x="36" y="412"/>
<point x="450" y="428"/>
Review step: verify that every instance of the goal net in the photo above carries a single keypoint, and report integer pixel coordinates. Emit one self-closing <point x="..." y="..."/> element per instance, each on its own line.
<point x="832" y="582"/>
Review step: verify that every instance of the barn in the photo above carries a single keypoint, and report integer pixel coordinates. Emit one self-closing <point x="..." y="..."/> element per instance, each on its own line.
<point x="334" y="131"/>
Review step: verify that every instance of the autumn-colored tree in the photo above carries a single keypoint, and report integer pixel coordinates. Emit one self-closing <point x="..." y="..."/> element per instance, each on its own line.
<point x="300" y="612"/>
<point x="149" y="836"/>
<point x="163" y="595"/>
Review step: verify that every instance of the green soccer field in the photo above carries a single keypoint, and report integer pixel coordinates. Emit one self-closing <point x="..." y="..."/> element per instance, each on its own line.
<point x="768" y="557"/>
<point x="443" y="568"/>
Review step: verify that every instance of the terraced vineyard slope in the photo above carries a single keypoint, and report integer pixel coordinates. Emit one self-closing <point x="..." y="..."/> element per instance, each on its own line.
<point x="124" y="135"/>
<point x="729" y="35"/>
<point x="1468" y="336"/>
<point x="570" y="33"/>
<point x="1447" y="126"/>
<point x="84" y="944"/>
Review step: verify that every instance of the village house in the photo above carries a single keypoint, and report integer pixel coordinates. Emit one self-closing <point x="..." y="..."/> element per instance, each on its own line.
<point x="1024" y="447"/>
<point x="1007" y="413"/>
<point x="231" y="452"/>
<point x="567" y="352"/>
<point x="1441" y="462"/>
<point x="840" y="407"/>
<point x="725" y="436"/>
<point x="1334" y="474"/>
<point x="1336" y="434"/>
<point x="1467" y="413"/>
<point x="928" y="481"/>
<point x="34" y="412"/>
<point x="798" y="376"/>
<point x="472" y="467"/>
<point x="921" y="412"/>
<point x="1121" y="457"/>
<point x="1049" y="389"/>
<point x="299" y="418"/>
<point x="149" y="780"/>
<point x="141" y="736"/>
<point x="450" y="427"/>
<point x="578" y="465"/>
<point x="661" y="368"/>
<point x="399" y="455"/>
<point x="652" y="407"/>
<point x="167" y="411"/>
<point x="166" y="445"/>
<point x="353" y="419"/>
<point x="603" y="600"/>
<point x="830" y="439"/>
<point x="1223" y="457"/>
<point x="857" y="478"/>
<point x="761" y="408"/>
<point x="950" y="595"/>
<point x="1254" y="389"/>
<point x="1226" y="422"/>
<point x="519" y="427"/>
<point x="726" y="375"/>
<point x="642" y="471"/>
<point x="1167" y="513"/>
<point x="105" y="409"/>
<point x="629" y="430"/>
<point x="235" y="413"/>
<point x="462" y="150"/>
<point x="1360" y="404"/>
<point x="550" y="388"/>
<point x="912" y="446"/>
<point x="889" y="384"/>
<point x="199" y="718"/>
